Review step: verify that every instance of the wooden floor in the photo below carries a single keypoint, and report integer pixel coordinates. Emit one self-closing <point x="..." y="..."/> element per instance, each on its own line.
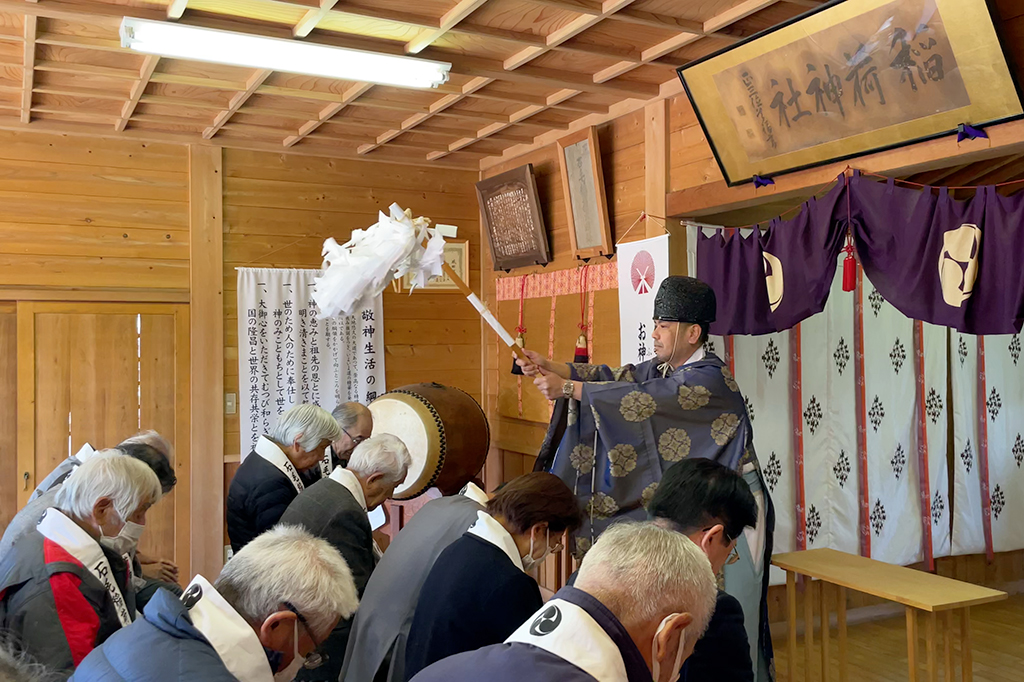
<point x="878" y="650"/>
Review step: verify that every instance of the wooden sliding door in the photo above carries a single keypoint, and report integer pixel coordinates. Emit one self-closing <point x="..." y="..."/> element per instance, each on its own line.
<point x="97" y="373"/>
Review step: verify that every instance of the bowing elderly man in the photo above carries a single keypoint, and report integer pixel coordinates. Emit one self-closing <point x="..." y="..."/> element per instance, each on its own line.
<point x="335" y="509"/>
<point x="272" y="475"/>
<point x="626" y="425"/>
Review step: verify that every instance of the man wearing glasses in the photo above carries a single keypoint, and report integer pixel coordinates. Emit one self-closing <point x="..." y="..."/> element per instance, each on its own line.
<point x="356" y="424"/>
<point x="712" y="505"/>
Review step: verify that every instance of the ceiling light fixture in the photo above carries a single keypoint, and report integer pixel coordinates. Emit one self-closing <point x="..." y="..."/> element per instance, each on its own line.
<point x="181" y="41"/>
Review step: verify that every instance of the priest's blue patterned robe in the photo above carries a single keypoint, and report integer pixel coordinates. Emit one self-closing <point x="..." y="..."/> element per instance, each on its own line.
<point x="631" y="424"/>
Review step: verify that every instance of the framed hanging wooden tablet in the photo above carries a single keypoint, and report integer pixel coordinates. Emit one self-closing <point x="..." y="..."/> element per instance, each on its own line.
<point x="851" y="78"/>
<point x="511" y="215"/>
<point x="586" y="206"/>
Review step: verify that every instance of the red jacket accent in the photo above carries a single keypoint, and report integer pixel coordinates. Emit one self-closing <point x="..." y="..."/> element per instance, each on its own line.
<point x="77" y="617"/>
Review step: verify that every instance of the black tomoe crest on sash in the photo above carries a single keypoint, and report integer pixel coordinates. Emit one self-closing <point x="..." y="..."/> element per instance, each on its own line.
<point x="544" y="624"/>
<point x="192" y="596"/>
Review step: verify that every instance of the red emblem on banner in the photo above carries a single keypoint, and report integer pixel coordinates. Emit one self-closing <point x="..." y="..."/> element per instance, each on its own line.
<point x="642" y="272"/>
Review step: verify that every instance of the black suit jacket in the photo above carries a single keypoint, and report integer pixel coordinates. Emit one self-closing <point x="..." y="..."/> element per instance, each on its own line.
<point x="723" y="653"/>
<point x="473" y="597"/>
<point x="328" y="510"/>
<point x="258" y="495"/>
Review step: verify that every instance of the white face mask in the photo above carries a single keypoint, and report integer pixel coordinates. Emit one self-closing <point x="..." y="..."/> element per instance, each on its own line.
<point x="126" y="541"/>
<point x="677" y="667"/>
<point x="289" y="673"/>
<point x="529" y="562"/>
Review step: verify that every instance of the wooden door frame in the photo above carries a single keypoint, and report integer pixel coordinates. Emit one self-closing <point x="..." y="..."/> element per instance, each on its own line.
<point x="26" y="311"/>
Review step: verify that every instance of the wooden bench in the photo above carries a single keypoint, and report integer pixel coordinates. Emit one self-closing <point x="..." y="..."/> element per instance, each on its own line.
<point x="916" y="590"/>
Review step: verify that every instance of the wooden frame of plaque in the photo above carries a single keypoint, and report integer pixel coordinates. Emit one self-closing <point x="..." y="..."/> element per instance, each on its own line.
<point x="510" y="211"/>
<point x="586" y="205"/>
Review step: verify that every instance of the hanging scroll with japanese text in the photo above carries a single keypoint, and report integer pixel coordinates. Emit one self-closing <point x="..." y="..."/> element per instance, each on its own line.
<point x="288" y="354"/>
<point x="851" y="78"/>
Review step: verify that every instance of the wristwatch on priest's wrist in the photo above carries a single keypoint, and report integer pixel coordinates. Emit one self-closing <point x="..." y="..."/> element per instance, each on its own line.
<point x="567" y="389"/>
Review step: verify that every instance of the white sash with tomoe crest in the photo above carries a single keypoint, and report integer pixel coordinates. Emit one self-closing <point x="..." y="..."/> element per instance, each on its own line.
<point x="58" y="528"/>
<point x="270" y="451"/>
<point x="569" y="632"/>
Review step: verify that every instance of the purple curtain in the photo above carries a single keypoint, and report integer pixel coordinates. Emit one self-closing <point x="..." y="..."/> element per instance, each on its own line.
<point x="769" y="282"/>
<point x="959" y="264"/>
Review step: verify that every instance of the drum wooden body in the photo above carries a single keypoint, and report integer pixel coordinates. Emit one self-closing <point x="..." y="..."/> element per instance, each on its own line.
<point x="445" y="430"/>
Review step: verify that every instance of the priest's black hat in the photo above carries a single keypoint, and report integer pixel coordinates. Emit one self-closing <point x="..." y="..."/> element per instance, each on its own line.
<point x="685" y="299"/>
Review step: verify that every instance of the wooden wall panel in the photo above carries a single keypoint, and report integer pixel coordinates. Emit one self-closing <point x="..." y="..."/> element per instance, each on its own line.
<point x="93" y="213"/>
<point x="278" y="209"/>
<point x="157" y="411"/>
<point x="517" y="434"/>
<point x="8" y="414"/>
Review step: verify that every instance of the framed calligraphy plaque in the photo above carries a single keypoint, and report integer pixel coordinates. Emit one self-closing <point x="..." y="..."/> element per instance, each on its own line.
<point x="848" y="79"/>
<point x="456" y="254"/>
<point x="511" y="214"/>
<point x="586" y="205"/>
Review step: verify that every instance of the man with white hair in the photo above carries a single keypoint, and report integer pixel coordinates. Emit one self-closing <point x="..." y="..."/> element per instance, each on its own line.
<point x="643" y="596"/>
<point x="65" y="586"/>
<point x="263" y="619"/>
<point x="356" y="422"/>
<point x="335" y="509"/>
<point x="271" y="476"/>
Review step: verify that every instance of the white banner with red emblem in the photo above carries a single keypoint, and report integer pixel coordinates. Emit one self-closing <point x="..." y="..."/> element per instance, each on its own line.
<point x="642" y="267"/>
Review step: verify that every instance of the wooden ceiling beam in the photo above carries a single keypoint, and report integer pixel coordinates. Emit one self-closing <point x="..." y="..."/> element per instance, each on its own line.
<point x="236" y="102"/>
<point x="592" y="7"/>
<point x="28" y="61"/>
<point x="66" y="91"/>
<point x="313" y="17"/>
<point x="494" y="128"/>
<point x="1013" y="169"/>
<point x="176" y="8"/>
<point x="462" y="9"/>
<point x="435" y="109"/>
<point x="462" y="64"/>
<point x="648" y="56"/>
<point x="139" y="87"/>
<point x="354" y="92"/>
<point x="635" y="16"/>
<point x="570" y="30"/>
<point x="713" y="26"/>
<point x="309" y="149"/>
<point x="735" y="13"/>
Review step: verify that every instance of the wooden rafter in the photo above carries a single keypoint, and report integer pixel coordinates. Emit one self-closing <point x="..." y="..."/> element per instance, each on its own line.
<point x="435" y="109"/>
<point x="452" y="17"/>
<point x="650" y="54"/>
<point x="176" y="9"/>
<point x="735" y="13"/>
<point x="353" y="93"/>
<point x="236" y="102"/>
<point x="495" y="128"/>
<point x="139" y="87"/>
<point x="28" y="64"/>
<point x="313" y="17"/>
<point x="570" y="30"/>
<point x="712" y="26"/>
<point x="643" y="18"/>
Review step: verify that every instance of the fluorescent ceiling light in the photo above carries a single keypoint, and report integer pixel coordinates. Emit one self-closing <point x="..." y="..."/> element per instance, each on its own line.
<point x="181" y="41"/>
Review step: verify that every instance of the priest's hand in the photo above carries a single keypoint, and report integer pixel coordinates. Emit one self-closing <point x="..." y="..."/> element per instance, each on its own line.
<point x="550" y="385"/>
<point x="538" y="364"/>
<point x="534" y="366"/>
